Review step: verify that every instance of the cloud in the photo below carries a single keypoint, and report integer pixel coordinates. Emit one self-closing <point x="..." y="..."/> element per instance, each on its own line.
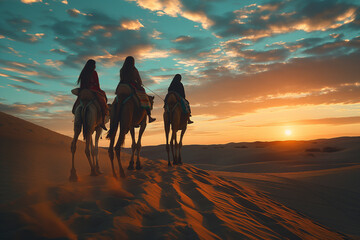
<point x="174" y="8"/>
<point x="74" y="12"/>
<point x="34" y="91"/>
<point x="14" y="51"/>
<point x="131" y="24"/>
<point x="16" y="28"/>
<point x="104" y="39"/>
<point x="335" y="48"/>
<point x="54" y="64"/>
<point x="169" y="7"/>
<point x="35" y="37"/>
<point x="192" y="46"/>
<point x="320" y="121"/>
<point x="39" y="114"/>
<point x="234" y="50"/>
<point x="59" y="51"/>
<point x="300" y="81"/>
<point x="140" y="52"/>
<point x="19" y="79"/>
<point x="30" y="1"/>
<point x="256" y="22"/>
<point x="185" y="39"/>
<point x="155" y="34"/>
<point x="29" y="69"/>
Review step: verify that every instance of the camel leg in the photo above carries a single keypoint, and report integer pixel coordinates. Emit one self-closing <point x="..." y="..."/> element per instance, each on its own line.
<point x="92" y="151"/>
<point x="176" y="150"/>
<point x="88" y="155"/>
<point x="118" y="150"/>
<point x="73" y="176"/>
<point x="96" y="150"/>
<point x="167" y="130"/>
<point x="173" y="148"/>
<point x="133" y="148"/>
<point x="180" y="145"/>
<point x="111" y="154"/>
<point x="138" y="145"/>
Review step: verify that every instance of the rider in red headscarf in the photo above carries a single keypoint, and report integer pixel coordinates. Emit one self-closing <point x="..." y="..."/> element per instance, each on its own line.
<point x="88" y="79"/>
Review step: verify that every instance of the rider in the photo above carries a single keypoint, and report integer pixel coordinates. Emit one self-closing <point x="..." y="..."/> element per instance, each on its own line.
<point x="88" y="79"/>
<point x="130" y="75"/>
<point x="177" y="86"/>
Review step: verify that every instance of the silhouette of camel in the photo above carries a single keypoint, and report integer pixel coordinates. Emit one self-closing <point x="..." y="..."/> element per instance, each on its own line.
<point x="126" y="110"/>
<point x="175" y="118"/>
<point x="87" y="116"/>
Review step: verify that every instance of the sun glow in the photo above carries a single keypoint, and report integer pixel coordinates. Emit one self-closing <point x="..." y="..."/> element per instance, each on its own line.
<point x="288" y="132"/>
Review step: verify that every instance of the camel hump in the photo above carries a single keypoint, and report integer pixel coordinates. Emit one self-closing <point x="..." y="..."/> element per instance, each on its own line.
<point x="172" y="98"/>
<point x="123" y="89"/>
<point x="86" y="95"/>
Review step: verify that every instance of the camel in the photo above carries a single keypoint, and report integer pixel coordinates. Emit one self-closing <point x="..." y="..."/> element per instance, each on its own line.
<point x="87" y="117"/>
<point x="126" y="110"/>
<point x="175" y="118"/>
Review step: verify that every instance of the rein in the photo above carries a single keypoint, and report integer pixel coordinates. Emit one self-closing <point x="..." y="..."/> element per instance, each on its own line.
<point x="153" y="92"/>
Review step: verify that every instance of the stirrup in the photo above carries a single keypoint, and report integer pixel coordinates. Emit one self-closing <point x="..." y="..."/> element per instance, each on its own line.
<point x="190" y="122"/>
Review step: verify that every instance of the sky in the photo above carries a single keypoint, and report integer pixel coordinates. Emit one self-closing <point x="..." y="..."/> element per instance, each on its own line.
<point x="252" y="70"/>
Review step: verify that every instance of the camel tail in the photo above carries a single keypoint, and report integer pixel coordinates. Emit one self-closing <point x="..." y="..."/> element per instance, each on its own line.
<point x="114" y="117"/>
<point x="86" y="129"/>
<point x="114" y="123"/>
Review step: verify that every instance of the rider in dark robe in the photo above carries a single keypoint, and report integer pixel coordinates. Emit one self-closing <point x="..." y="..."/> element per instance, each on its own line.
<point x="130" y="75"/>
<point x="177" y="86"/>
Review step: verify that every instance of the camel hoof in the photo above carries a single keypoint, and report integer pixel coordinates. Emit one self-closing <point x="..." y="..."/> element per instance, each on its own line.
<point x="131" y="167"/>
<point x="180" y="163"/>
<point x="98" y="171"/>
<point x="94" y="173"/>
<point x="138" y="167"/>
<point x="169" y="164"/>
<point x="73" y="176"/>
<point x="122" y="174"/>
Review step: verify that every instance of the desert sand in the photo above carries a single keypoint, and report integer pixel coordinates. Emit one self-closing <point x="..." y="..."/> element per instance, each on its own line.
<point x="184" y="202"/>
<point x="319" y="178"/>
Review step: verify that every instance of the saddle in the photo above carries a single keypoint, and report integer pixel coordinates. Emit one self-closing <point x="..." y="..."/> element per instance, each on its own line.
<point x="185" y="107"/>
<point x="88" y="96"/>
<point x="141" y="98"/>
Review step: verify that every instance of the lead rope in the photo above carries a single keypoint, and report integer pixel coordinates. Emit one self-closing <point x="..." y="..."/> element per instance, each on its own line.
<point x="153" y="92"/>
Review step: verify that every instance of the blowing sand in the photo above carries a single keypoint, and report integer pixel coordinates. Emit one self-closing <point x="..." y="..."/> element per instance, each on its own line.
<point x="157" y="202"/>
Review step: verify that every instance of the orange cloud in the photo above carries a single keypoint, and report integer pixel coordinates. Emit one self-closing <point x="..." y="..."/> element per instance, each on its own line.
<point x="131" y="25"/>
<point x="174" y="8"/>
<point x="30" y="1"/>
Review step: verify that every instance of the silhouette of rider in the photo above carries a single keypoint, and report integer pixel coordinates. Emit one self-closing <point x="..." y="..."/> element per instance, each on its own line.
<point x="88" y="79"/>
<point x="177" y="86"/>
<point x="130" y="75"/>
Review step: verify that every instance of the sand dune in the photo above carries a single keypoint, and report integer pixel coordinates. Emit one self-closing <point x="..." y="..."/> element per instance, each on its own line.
<point x="157" y="202"/>
<point x="319" y="178"/>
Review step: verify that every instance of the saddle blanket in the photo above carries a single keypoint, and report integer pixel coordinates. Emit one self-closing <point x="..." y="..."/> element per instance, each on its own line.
<point x="143" y="98"/>
<point x="185" y="105"/>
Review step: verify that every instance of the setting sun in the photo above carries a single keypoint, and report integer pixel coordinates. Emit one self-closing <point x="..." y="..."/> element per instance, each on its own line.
<point x="288" y="132"/>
